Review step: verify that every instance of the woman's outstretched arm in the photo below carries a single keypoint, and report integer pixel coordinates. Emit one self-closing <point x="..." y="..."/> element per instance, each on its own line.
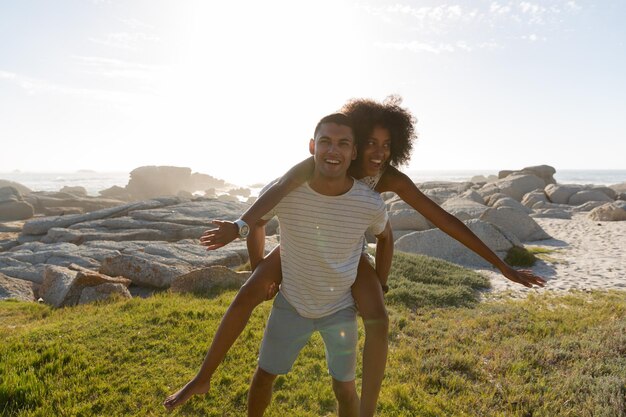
<point x="401" y="184"/>
<point x="227" y="231"/>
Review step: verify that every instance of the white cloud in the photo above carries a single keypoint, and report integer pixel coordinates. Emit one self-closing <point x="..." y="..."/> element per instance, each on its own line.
<point x="35" y="86"/>
<point x="125" y="40"/>
<point x="115" y="68"/>
<point x="440" y="48"/>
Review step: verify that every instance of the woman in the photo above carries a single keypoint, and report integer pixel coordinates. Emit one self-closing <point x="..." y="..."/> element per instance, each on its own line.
<point x="384" y="133"/>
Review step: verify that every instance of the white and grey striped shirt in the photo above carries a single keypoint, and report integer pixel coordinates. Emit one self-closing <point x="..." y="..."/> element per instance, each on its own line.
<point x="321" y="243"/>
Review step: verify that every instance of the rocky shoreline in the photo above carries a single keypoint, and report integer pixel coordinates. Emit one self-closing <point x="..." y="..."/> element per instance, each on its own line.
<point x="147" y="236"/>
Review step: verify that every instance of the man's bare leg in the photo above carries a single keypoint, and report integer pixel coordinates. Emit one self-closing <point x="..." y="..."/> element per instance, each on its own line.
<point x="368" y="295"/>
<point x="251" y="294"/>
<point x="260" y="394"/>
<point x="347" y="398"/>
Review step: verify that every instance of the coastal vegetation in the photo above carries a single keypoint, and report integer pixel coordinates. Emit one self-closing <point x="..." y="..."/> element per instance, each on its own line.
<point x="450" y="355"/>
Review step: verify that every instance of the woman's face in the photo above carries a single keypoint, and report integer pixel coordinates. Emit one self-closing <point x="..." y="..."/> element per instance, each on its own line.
<point x="375" y="152"/>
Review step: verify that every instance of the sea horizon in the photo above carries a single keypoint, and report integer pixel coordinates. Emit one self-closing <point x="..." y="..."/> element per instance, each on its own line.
<point x="95" y="181"/>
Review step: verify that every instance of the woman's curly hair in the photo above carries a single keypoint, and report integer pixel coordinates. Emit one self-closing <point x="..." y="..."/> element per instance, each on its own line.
<point x="366" y="114"/>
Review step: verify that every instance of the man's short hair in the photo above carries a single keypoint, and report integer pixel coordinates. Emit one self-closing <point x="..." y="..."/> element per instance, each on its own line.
<point x="337" y="118"/>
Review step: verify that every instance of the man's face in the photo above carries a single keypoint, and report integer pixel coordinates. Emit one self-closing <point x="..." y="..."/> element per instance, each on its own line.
<point x="333" y="149"/>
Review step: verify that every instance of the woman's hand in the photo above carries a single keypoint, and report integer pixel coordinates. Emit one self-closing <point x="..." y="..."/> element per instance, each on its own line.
<point x="225" y="233"/>
<point x="526" y="277"/>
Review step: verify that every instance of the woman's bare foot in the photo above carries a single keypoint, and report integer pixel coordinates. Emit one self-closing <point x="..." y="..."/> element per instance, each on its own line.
<point x="192" y="387"/>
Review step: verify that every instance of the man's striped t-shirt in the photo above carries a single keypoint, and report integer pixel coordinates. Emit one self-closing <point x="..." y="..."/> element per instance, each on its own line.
<point x="321" y="241"/>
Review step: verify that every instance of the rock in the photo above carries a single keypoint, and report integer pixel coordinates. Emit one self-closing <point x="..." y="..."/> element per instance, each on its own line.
<point x="228" y="198"/>
<point x="22" y="189"/>
<point x="86" y="279"/>
<point x="16" y="210"/>
<point x="44" y="200"/>
<point x="205" y="279"/>
<point x="77" y="190"/>
<point x="62" y="211"/>
<point x="116" y="192"/>
<point x="585" y="196"/>
<point x="57" y="281"/>
<point x="408" y="220"/>
<point x="155" y="181"/>
<point x="516" y="222"/>
<point x="545" y="172"/>
<point x="514" y="186"/>
<point x="481" y="179"/>
<point x="464" y="208"/>
<point x="436" y="243"/>
<point x="441" y="191"/>
<point x="16" y="289"/>
<point x="242" y="192"/>
<point x="552" y="213"/>
<point x="543" y="205"/>
<point x="609" y="212"/>
<point x="103" y="292"/>
<point x="619" y="188"/>
<point x="42" y="225"/>
<point x="493" y="198"/>
<point x="561" y="193"/>
<point x="585" y="207"/>
<point x="143" y="269"/>
<point x="514" y="204"/>
<point x="10" y="194"/>
<point x="533" y="197"/>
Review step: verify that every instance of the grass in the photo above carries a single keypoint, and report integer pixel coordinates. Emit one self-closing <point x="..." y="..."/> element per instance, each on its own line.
<point x="544" y="253"/>
<point x="519" y="256"/>
<point x="449" y="354"/>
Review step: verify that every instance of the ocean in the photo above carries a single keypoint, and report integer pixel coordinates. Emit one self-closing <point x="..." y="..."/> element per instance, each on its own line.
<point x="97" y="181"/>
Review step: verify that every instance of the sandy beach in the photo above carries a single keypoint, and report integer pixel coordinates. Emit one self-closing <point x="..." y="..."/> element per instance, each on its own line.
<point x="584" y="255"/>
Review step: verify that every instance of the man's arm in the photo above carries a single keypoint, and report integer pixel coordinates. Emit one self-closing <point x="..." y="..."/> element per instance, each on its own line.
<point x="384" y="255"/>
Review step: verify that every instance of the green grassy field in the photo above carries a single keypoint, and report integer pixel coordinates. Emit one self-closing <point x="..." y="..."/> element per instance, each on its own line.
<point x="449" y="354"/>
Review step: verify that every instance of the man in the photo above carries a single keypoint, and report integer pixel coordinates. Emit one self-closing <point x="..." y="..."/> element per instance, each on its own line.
<point x="322" y="226"/>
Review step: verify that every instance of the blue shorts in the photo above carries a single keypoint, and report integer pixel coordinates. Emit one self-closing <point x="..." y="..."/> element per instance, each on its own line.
<point x="287" y="332"/>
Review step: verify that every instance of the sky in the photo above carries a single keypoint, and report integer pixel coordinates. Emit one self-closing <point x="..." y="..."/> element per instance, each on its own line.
<point x="234" y="88"/>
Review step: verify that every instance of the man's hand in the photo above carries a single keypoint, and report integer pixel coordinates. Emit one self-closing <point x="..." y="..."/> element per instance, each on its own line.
<point x="225" y="233"/>
<point x="526" y="277"/>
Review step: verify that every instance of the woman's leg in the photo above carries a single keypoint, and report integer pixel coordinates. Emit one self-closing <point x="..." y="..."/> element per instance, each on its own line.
<point x="368" y="294"/>
<point x="268" y="273"/>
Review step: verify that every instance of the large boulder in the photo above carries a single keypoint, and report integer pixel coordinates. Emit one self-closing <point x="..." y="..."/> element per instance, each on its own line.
<point x="205" y="279"/>
<point x="561" y="193"/>
<point x="75" y="190"/>
<point x="143" y="269"/>
<point x="12" y="205"/>
<point x="16" y="289"/>
<point x="23" y="190"/>
<point x="408" y="219"/>
<point x="545" y="172"/>
<point x="438" y="244"/>
<point x="103" y="292"/>
<point x="585" y="196"/>
<point x="516" y="222"/>
<point x="464" y="208"/>
<point x="609" y="212"/>
<point x="154" y="181"/>
<point x="511" y="203"/>
<point x="57" y="281"/>
<point x="16" y="210"/>
<point x="515" y="186"/>
<point x="533" y="197"/>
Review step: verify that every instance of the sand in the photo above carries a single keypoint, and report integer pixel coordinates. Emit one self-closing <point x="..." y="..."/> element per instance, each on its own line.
<point x="585" y="255"/>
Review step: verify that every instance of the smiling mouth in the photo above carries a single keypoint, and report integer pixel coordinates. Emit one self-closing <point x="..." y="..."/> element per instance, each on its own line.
<point x="332" y="161"/>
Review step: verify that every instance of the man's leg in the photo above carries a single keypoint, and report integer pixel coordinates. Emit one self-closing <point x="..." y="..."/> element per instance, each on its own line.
<point x="347" y="398"/>
<point x="340" y="334"/>
<point x="260" y="394"/>
<point x="251" y="294"/>
<point x="368" y="295"/>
